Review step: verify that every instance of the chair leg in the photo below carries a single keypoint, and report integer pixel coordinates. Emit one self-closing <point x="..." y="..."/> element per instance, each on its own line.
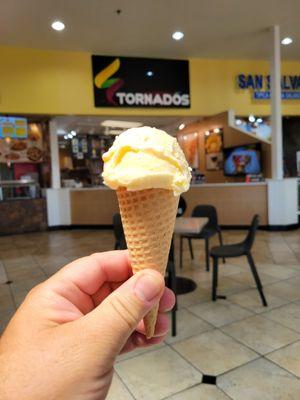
<point x="172" y="286"/>
<point x="215" y="279"/>
<point x="207" y="253"/>
<point x="191" y="248"/>
<point x="257" y="279"/>
<point x="180" y="252"/>
<point x="221" y="243"/>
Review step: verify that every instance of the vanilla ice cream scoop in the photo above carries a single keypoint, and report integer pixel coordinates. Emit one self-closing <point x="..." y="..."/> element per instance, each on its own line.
<point x="146" y="158"/>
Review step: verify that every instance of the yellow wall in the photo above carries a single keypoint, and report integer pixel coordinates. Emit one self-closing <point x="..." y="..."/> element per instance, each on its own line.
<point x="56" y="82"/>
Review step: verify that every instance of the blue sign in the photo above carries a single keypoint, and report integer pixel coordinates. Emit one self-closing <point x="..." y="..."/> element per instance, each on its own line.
<point x="260" y="85"/>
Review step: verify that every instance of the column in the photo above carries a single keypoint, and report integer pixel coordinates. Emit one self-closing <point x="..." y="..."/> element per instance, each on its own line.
<point x="276" y="117"/>
<point x="54" y="152"/>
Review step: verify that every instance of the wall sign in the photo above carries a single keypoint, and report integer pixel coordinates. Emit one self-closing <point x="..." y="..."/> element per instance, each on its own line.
<point x="13" y="127"/>
<point x="140" y="82"/>
<point x="260" y="86"/>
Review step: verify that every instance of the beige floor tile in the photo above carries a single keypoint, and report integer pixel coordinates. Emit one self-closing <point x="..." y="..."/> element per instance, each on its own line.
<point x="288" y="358"/>
<point x="227" y="285"/>
<point x="199" y="295"/>
<point x="278" y="271"/>
<point x="157" y="374"/>
<point x="260" y="380"/>
<point x="213" y="352"/>
<point x="3" y="276"/>
<point x="261" y="334"/>
<point x="246" y="278"/>
<point x="187" y="325"/>
<point x="284" y="257"/>
<point x="118" y="390"/>
<point x="250" y="299"/>
<point x="283" y="289"/>
<point x="288" y="315"/>
<point x="140" y="351"/>
<point x="201" y="392"/>
<point x="220" y="313"/>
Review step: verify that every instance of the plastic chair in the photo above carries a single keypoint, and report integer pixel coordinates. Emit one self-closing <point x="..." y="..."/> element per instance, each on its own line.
<point x="120" y="243"/>
<point x="211" y="228"/>
<point x="237" y="250"/>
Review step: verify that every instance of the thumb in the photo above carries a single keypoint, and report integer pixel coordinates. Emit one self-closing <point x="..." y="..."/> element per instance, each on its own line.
<point x="118" y="315"/>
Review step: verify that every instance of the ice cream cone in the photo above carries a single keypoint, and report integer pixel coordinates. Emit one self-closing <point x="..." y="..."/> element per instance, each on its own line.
<point x="148" y="218"/>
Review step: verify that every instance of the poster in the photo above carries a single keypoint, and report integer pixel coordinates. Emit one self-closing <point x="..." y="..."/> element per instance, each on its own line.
<point x="23" y="150"/>
<point x="189" y="145"/>
<point x="13" y="127"/>
<point x="214" y="150"/>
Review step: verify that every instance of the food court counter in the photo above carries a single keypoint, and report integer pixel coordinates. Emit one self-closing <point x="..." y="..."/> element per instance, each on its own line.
<point x="236" y="203"/>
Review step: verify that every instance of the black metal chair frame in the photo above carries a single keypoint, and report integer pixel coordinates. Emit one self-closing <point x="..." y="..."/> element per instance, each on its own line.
<point x="237" y="250"/>
<point x="210" y="212"/>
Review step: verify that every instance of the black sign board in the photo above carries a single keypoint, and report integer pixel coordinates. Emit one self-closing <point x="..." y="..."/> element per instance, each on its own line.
<point x="140" y="82"/>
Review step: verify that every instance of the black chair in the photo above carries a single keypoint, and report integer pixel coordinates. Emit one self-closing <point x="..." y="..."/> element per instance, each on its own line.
<point x="181" y="207"/>
<point x="170" y="280"/>
<point x="119" y="233"/>
<point x="211" y="228"/>
<point x="237" y="250"/>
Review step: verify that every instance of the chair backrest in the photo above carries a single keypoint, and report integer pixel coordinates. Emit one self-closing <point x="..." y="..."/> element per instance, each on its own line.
<point x="248" y="242"/>
<point x="118" y="228"/>
<point x="208" y="211"/>
<point x="181" y="207"/>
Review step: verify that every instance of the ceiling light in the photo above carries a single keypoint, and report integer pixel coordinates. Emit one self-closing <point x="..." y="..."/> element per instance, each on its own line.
<point x="286" y="41"/>
<point x="73" y="133"/>
<point x="58" y="26"/>
<point x="207" y="133"/>
<point x="259" y="120"/>
<point x="177" y="35"/>
<point x="149" y="73"/>
<point x="120" y="124"/>
<point x="251" y="118"/>
<point x="70" y="136"/>
<point x="238" y="122"/>
<point x="216" y="130"/>
<point x="66" y="137"/>
<point x="181" y="126"/>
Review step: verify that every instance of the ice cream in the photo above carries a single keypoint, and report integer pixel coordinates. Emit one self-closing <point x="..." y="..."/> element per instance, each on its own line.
<point x="148" y="170"/>
<point x="146" y="158"/>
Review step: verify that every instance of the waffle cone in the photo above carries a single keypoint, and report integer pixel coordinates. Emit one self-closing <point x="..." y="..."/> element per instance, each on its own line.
<point x="148" y="218"/>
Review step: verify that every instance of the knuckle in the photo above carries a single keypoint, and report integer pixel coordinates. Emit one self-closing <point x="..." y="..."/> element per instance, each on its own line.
<point x="124" y="311"/>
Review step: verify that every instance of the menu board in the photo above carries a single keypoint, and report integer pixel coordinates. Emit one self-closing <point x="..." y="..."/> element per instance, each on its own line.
<point x="13" y="127"/>
<point x="23" y="150"/>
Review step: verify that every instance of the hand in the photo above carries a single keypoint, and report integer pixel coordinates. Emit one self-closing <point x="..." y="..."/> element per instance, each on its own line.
<point x="63" y="340"/>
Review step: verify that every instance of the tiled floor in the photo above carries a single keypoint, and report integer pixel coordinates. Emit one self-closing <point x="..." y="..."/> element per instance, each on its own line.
<point x="253" y="351"/>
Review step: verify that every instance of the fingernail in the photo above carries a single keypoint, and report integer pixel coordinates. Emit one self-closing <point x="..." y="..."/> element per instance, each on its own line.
<point x="148" y="286"/>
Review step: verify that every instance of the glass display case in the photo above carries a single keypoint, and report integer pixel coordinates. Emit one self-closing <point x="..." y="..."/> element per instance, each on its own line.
<point x="19" y="189"/>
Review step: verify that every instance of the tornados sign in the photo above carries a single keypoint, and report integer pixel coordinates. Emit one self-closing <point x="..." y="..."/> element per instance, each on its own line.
<point x="140" y="82"/>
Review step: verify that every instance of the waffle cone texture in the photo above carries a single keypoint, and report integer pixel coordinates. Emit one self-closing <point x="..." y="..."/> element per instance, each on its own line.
<point x="148" y="218"/>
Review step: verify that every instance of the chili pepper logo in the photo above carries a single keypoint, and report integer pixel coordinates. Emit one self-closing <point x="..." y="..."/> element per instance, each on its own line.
<point x="103" y="80"/>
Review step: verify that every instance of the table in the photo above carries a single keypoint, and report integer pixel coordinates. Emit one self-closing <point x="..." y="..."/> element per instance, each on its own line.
<point x="185" y="225"/>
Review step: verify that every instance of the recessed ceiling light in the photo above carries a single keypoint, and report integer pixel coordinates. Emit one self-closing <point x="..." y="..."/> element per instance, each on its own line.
<point x="177" y="35"/>
<point x="181" y="126"/>
<point x="207" y="133"/>
<point x="58" y="25"/>
<point x="149" y="73"/>
<point x="286" y="41"/>
<point x="238" y="121"/>
<point x="70" y="136"/>
<point x="259" y="120"/>
<point x="216" y="130"/>
<point x="251" y="118"/>
<point x="73" y="133"/>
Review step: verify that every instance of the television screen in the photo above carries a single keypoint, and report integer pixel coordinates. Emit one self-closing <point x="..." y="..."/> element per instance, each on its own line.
<point x="242" y="160"/>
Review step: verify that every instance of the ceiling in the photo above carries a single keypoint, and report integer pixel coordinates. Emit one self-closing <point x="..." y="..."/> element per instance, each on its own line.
<point x="213" y="28"/>
<point x="92" y="125"/>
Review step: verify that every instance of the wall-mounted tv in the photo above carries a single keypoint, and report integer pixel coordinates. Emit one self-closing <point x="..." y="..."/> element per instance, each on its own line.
<point x="242" y="160"/>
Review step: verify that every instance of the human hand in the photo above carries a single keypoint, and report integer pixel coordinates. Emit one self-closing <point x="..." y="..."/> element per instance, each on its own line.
<point x="63" y="340"/>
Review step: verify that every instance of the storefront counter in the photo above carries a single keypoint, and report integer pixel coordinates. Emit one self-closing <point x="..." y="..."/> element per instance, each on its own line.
<point x="22" y="215"/>
<point x="276" y="203"/>
<point x="236" y="203"/>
